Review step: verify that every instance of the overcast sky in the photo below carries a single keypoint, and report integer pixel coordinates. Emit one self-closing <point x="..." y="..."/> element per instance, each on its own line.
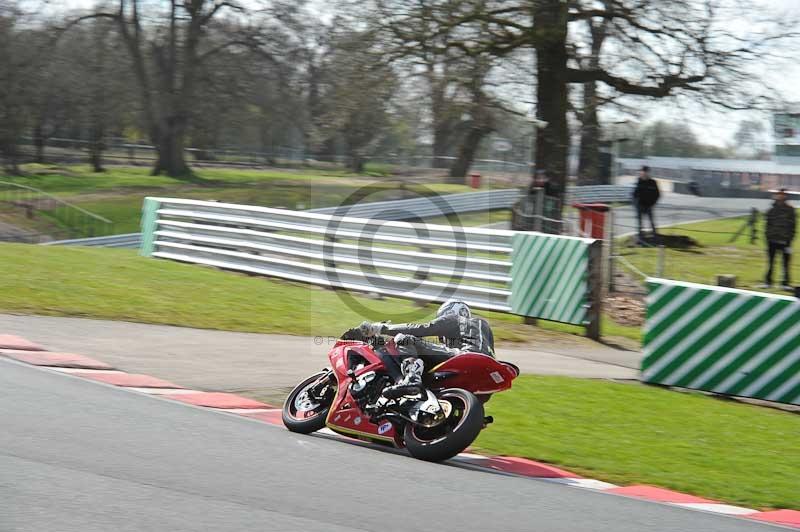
<point x="713" y="126"/>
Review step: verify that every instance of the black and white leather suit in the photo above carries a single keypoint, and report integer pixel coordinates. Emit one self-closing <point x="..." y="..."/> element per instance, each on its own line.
<point x="459" y="334"/>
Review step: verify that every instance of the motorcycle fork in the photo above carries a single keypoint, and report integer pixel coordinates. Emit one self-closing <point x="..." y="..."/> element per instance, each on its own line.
<point x="321" y="383"/>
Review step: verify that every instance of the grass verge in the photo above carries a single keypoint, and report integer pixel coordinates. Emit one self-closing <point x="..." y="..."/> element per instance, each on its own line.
<point x="634" y="434"/>
<point x="716" y="255"/>
<point x="474" y="219"/>
<point x="117" y="284"/>
<point x="118" y="193"/>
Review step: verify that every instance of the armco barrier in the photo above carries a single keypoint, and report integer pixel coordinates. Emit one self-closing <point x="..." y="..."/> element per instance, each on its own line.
<point x="417" y="261"/>
<point x="430" y="206"/>
<point x="600" y="194"/>
<point x="415" y="208"/>
<point x="722" y="340"/>
<point x="404" y="209"/>
<point x="128" y="240"/>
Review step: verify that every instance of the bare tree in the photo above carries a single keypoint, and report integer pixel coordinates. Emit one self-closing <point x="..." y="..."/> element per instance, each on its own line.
<point x="21" y="54"/>
<point x="591" y="100"/>
<point x="168" y="48"/>
<point x="358" y="92"/>
<point x="462" y="106"/>
<point x="662" y="48"/>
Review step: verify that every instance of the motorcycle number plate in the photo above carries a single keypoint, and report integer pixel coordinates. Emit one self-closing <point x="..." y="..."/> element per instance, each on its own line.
<point x="496" y="377"/>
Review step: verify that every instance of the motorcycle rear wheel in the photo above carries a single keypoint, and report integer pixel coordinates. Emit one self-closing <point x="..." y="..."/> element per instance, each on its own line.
<point x="458" y="431"/>
<point x="302" y="414"/>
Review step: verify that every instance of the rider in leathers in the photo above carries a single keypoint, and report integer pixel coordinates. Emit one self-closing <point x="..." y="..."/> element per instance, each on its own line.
<point x="457" y="329"/>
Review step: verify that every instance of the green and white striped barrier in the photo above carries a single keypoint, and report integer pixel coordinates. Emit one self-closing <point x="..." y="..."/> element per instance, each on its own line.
<point x="550" y="277"/>
<point x="148" y="226"/>
<point x="722" y="340"/>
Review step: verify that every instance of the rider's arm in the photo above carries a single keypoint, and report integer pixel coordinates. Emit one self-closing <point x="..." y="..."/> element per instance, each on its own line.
<point x="443" y="326"/>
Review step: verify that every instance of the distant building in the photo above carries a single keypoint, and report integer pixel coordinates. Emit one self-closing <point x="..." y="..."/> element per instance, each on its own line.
<point x="786" y="128"/>
<point x="734" y="177"/>
<point x="720" y="177"/>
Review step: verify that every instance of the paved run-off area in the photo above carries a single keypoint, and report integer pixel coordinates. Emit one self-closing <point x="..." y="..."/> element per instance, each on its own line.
<point x="268" y="365"/>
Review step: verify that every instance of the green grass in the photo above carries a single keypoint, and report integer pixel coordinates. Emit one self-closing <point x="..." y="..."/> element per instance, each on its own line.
<point x="473" y="219"/>
<point x="118" y="193"/>
<point x="608" y="329"/>
<point x="717" y="255"/>
<point x="76" y="179"/>
<point x="120" y="285"/>
<point x="80" y="178"/>
<point x="627" y="434"/>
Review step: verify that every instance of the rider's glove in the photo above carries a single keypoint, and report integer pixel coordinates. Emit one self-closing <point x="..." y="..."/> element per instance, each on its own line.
<point x="370" y="329"/>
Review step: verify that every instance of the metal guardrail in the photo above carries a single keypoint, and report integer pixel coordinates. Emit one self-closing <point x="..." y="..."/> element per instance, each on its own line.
<point x="429" y="207"/>
<point x="128" y="240"/>
<point x="391" y="258"/>
<point x="530" y="274"/>
<point x="74" y="220"/>
<point x="414" y="209"/>
<point x="600" y="194"/>
<point x="407" y="209"/>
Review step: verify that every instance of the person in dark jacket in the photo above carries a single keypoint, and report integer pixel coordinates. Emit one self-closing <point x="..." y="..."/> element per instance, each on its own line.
<point x="645" y="197"/>
<point x="542" y="180"/>
<point x="781" y="224"/>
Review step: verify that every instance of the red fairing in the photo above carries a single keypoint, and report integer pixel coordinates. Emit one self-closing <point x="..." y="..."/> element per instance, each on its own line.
<point x="475" y="372"/>
<point x="345" y="417"/>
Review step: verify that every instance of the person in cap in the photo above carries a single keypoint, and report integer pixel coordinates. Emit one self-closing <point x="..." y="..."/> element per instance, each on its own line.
<point x="780" y="232"/>
<point x="645" y="197"/>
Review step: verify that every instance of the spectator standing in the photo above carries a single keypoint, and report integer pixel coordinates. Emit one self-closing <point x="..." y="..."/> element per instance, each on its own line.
<point x="781" y="224"/>
<point x="645" y="197"/>
<point x="542" y="180"/>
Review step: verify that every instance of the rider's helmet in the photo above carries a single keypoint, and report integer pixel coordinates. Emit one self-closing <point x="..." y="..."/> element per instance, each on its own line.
<point x="453" y="306"/>
<point x="457" y="308"/>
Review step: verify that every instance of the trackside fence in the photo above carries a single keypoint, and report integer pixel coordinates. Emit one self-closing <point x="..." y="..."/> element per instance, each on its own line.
<point x="530" y="274"/>
<point x="722" y="340"/>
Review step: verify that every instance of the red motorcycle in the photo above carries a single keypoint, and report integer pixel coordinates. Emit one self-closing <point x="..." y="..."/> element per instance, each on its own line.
<point x="358" y="398"/>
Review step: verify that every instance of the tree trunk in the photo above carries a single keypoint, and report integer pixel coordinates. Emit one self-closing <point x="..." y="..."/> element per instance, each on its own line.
<point x="356" y="163"/>
<point x="441" y="145"/>
<point x="552" y="141"/>
<point x="466" y="153"/>
<point x="96" y="150"/>
<point x="325" y="151"/>
<point x="98" y="106"/>
<point x="38" y="143"/>
<point x="589" y="157"/>
<point x="10" y="157"/>
<point x="169" y="145"/>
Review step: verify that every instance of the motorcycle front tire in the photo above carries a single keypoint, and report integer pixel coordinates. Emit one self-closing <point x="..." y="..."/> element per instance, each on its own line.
<point x="309" y="424"/>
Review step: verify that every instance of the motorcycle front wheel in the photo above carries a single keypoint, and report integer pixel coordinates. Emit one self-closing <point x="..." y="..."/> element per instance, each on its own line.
<point x="462" y="425"/>
<point x="303" y="413"/>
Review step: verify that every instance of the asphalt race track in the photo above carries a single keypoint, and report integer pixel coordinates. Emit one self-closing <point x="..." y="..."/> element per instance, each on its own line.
<point x="82" y="456"/>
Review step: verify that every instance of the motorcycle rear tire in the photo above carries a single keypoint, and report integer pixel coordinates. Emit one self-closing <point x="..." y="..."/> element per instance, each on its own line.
<point x="454" y="441"/>
<point x="309" y="425"/>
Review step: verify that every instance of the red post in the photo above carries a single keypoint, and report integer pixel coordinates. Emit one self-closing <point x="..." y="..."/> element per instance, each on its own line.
<point x="592" y="219"/>
<point x="475" y="180"/>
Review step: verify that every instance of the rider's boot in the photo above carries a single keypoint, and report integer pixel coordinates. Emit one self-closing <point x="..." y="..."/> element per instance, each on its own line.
<point x="411" y="383"/>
